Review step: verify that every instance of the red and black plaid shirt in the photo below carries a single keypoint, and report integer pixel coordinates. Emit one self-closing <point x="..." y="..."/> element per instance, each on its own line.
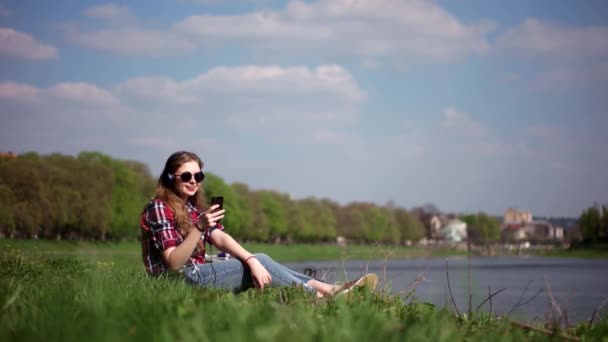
<point x="159" y="232"/>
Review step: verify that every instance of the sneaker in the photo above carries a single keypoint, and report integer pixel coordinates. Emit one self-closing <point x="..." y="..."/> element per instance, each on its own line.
<point x="369" y="281"/>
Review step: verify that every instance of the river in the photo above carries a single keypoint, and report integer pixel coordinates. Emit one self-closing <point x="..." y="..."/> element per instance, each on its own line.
<point x="577" y="286"/>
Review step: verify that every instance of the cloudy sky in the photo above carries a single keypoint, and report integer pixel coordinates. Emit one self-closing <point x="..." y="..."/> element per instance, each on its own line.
<point x="473" y="105"/>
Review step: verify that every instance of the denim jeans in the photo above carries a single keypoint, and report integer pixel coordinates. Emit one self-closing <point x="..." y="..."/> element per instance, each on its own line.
<point x="232" y="275"/>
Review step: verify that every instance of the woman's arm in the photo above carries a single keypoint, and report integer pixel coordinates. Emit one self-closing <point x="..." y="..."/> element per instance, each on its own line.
<point x="176" y="257"/>
<point x="226" y="243"/>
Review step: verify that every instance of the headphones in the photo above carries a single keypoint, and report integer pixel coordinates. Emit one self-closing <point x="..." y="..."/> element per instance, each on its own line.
<point x="170" y="177"/>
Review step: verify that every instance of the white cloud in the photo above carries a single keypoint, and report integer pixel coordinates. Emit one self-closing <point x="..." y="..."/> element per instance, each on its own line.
<point x="64" y="93"/>
<point x="82" y="93"/>
<point x="571" y="56"/>
<point x="121" y="33"/>
<point x="372" y="31"/>
<point x="329" y="136"/>
<point x="461" y="123"/>
<point x="233" y="1"/>
<point x="262" y="94"/>
<point x="291" y="105"/>
<point x="131" y="41"/>
<point x="22" y="45"/>
<point x="368" y="29"/>
<point x="111" y="13"/>
<point x="537" y="38"/>
<point x="511" y="77"/>
<point x="567" y="77"/>
<point x="17" y="91"/>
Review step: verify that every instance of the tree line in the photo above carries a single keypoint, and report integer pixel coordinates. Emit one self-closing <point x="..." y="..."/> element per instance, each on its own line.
<point x="593" y="224"/>
<point x="94" y="196"/>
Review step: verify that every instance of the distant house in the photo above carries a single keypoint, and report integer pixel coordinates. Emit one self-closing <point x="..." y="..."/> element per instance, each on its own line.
<point x="8" y="155"/>
<point x="542" y="230"/>
<point x="455" y="231"/>
<point x="538" y="230"/>
<point x="435" y="226"/>
<point x="517" y="216"/>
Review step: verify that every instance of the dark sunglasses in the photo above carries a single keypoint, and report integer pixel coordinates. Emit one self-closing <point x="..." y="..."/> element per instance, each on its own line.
<point x="187" y="176"/>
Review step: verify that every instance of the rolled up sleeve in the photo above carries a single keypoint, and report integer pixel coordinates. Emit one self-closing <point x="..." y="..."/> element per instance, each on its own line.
<point x="161" y="221"/>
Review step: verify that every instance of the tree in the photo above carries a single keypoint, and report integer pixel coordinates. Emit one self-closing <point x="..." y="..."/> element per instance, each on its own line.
<point x="604" y="223"/>
<point x="235" y="219"/>
<point x="482" y="228"/>
<point x="311" y="220"/>
<point x="272" y="204"/>
<point x="590" y="223"/>
<point x="7" y="212"/>
<point x="410" y="227"/>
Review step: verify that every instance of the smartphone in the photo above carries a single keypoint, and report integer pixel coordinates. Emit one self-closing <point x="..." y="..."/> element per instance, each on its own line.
<point x="218" y="200"/>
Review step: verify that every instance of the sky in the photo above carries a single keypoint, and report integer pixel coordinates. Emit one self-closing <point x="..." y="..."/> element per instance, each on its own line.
<point x="471" y="105"/>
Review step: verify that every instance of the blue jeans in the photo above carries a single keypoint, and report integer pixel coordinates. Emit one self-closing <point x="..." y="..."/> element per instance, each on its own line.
<point x="232" y="275"/>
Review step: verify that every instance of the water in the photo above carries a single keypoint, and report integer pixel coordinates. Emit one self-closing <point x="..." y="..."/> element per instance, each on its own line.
<point x="578" y="286"/>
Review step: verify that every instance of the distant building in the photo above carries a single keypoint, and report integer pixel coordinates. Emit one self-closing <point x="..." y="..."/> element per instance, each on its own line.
<point x="517" y="216"/>
<point x="455" y="231"/>
<point x="8" y="155"/>
<point x="535" y="231"/>
<point x="435" y="226"/>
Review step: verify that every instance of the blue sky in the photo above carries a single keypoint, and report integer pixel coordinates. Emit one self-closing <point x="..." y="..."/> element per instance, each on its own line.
<point x="470" y="105"/>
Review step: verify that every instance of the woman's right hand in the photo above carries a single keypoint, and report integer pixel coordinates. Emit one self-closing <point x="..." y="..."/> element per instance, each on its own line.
<point x="259" y="274"/>
<point x="210" y="216"/>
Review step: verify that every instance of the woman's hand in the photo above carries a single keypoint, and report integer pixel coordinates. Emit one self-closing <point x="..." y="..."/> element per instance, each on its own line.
<point x="210" y="217"/>
<point x="259" y="274"/>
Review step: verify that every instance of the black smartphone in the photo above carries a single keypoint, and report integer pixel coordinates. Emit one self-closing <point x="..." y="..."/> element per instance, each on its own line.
<point x="218" y="200"/>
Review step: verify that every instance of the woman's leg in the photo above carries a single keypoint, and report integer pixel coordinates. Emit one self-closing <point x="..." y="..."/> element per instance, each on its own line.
<point x="322" y="287"/>
<point x="231" y="275"/>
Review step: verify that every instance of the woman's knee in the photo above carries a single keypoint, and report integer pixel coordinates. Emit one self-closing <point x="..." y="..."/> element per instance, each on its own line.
<point x="263" y="257"/>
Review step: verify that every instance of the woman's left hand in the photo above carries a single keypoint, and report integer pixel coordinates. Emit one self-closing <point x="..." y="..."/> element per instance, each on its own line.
<point x="259" y="274"/>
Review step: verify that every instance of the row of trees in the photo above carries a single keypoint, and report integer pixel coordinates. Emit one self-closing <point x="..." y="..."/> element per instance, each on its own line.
<point x="593" y="223"/>
<point x="482" y="228"/>
<point x="93" y="196"/>
<point x="90" y="196"/>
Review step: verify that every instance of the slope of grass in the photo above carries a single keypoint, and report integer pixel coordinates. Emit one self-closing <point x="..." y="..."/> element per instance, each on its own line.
<point x="73" y="298"/>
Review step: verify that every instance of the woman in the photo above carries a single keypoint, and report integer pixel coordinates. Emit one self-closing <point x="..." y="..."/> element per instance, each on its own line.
<point x="176" y="224"/>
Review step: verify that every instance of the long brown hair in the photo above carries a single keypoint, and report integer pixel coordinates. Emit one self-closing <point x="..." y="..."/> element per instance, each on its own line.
<point x="166" y="191"/>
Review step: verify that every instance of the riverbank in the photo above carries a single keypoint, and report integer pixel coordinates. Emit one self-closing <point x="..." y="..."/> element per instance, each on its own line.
<point x="54" y="296"/>
<point x="129" y="253"/>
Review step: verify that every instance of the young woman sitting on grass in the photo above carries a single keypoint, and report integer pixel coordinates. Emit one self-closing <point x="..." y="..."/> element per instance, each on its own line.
<point x="176" y="224"/>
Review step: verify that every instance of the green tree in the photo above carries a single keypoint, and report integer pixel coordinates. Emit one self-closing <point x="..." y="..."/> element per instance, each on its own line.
<point x="604" y="223"/>
<point x="7" y="212"/>
<point x="312" y="220"/>
<point x="126" y="200"/>
<point x="235" y="220"/>
<point x="274" y="208"/>
<point x="482" y="228"/>
<point x="590" y="223"/>
<point x="410" y="227"/>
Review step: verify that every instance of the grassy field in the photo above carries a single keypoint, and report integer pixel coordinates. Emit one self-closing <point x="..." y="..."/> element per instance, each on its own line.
<point x="128" y="254"/>
<point x="587" y="251"/>
<point x="97" y="292"/>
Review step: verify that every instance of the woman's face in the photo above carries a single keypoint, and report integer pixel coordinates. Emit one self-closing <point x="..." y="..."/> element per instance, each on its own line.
<point x="188" y="188"/>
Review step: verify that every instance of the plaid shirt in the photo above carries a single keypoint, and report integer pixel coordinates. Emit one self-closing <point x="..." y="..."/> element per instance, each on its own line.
<point x="159" y="232"/>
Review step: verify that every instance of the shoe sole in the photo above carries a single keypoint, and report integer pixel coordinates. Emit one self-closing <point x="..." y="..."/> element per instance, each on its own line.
<point x="368" y="281"/>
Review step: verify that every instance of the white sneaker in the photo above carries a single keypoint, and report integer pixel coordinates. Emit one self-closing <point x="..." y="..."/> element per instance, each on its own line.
<point x="369" y="281"/>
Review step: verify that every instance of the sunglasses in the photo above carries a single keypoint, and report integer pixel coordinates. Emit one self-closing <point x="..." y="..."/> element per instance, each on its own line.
<point x="187" y="176"/>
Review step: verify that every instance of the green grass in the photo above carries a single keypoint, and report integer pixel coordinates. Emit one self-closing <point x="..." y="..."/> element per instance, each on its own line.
<point x="586" y="251"/>
<point x="128" y="254"/>
<point x="59" y="292"/>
